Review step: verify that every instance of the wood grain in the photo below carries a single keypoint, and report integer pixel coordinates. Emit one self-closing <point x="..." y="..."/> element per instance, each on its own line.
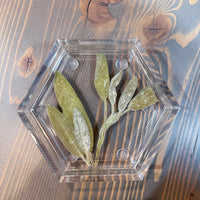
<point x="27" y="63"/>
<point x="169" y="29"/>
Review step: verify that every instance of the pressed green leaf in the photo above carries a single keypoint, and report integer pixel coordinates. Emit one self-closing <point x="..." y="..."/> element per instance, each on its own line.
<point x="68" y="100"/>
<point x="127" y="94"/>
<point x="81" y="131"/>
<point x="64" y="130"/>
<point x="112" y="88"/>
<point x="143" y="99"/>
<point x="101" y="79"/>
<point x="112" y="119"/>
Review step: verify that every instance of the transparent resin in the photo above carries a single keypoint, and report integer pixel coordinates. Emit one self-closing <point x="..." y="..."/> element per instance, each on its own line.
<point x="132" y="143"/>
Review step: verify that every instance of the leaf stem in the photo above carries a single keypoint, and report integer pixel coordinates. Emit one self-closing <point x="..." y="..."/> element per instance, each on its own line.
<point x="106" y="125"/>
<point x="105" y="110"/>
<point x="112" y="109"/>
<point x="86" y="160"/>
<point x="102" y="133"/>
<point x="124" y="112"/>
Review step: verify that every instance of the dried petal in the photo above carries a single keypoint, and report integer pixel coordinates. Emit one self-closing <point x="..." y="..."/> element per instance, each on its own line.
<point x="143" y="99"/>
<point x="112" y="88"/>
<point x="81" y="131"/>
<point x="68" y="100"/>
<point x="101" y="79"/>
<point x="127" y="94"/>
<point x="64" y="130"/>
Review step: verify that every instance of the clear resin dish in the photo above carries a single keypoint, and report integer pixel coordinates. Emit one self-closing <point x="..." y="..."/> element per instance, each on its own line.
<point x="132" y="143"/>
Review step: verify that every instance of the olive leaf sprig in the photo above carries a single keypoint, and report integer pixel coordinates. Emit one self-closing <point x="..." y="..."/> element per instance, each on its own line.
<point x="107" y="90"/>
<point x="72" y="125"/>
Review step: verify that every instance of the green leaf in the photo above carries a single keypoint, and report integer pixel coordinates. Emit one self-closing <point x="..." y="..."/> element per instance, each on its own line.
<point x="101" y="79"/>
<point x="112" y="119"/>
<point x="112" y="89"/>
<point x="127" y="94"/>
<point x="68" y="100"/>
<point x="64" y="130"/>
<point x="143" y="99"/>
<point x="81" y="131"/>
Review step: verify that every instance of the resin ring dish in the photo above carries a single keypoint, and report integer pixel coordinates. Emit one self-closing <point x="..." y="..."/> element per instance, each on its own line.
<point x="132" y="143"/>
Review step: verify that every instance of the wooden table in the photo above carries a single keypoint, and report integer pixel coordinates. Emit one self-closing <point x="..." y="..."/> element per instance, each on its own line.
<point x="171" y="32"/>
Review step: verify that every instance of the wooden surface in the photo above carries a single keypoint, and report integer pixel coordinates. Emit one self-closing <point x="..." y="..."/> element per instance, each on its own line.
<point x="169" y="29"/>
